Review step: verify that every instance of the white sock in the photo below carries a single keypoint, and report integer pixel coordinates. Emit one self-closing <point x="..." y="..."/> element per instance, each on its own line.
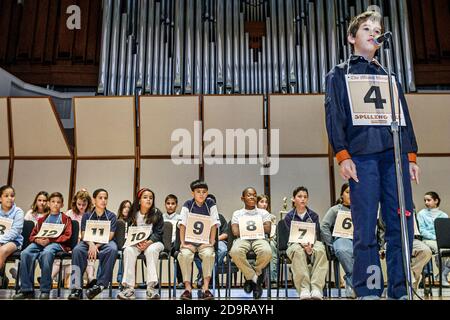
<point x="255" y="279"/>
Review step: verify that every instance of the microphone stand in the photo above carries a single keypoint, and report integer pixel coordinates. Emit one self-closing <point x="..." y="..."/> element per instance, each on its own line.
<point x="395" y="128"/>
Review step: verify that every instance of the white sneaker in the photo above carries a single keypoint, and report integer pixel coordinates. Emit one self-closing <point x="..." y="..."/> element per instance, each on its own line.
<point x="152" y="293"/>
<point x="349" y="292"/>
<point x="316" y="295"/>
<point x="126" y="294"/>
<point x="305" y="295"/>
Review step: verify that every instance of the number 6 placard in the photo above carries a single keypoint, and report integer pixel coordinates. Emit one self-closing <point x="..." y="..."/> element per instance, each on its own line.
<point x="343" y="227"/>
<point x="50" y="230"/>
<point x="137" y="234"/>
<point x="302" y="232"/>
<point x="198" y="228"/>
<point x="97" y="231"/>
<point x="251" y="227"/>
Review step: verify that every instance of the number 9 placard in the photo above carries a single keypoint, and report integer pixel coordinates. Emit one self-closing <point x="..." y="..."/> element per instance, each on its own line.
<point x="97" y="231"/>
<point x="251" y="227"/>
<point x="198" y="228"/>
<point x="50" y="230"/>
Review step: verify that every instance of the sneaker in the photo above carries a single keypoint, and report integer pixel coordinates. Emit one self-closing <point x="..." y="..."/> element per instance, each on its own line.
<point x="369" y="298"/>
<point x="94" y="291"/>
<point x="126" y="294"/>
<point x="44" y="296"/>
<point x="207" y="295"/>
<point x="152" y="293"/>
<point x="23" y="295"/>
<point x="248" y="286"/>
<point x="91" y="283"/>
<point x="305" y="295"/>
<point x="186" y="295"/>
<point x="316" y="295"/>
<point x="75" y="294"/>
<point x="257" y="290"/>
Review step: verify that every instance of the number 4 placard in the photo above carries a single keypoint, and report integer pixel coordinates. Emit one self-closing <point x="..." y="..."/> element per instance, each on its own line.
<point x="50" y="230"/>
<point x="97" y="231"/>
<point x="198" y="228"/>
<point x="302" y="232"/>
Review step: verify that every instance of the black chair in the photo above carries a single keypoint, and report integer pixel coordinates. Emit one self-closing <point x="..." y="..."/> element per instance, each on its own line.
<point x="283" y="260"/>
<point x="442" y="227"/>
<point x="176" y="252"/>
<point x="119" y="238"/>
<point x="428" y="272"/>
<point x="333" y="262"/>
<point x="67" y="255"/>
<point x="27" y="229"/>
<point x="251" y="255"/>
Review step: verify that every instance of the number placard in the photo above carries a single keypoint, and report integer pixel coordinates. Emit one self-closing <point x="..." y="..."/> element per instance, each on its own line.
<point x="302" y="232"/>
<point x="370" y="101"/>
<point x="416" y="228"/>
<point x="251" y="227"/>
<point x="198" y="228"/>
<point x="97" y="231"/>
<point x="5" y="225"/>
<point x="343" y="227"/>
<point x="50" y="230"/>
<point x="137" y="234"/>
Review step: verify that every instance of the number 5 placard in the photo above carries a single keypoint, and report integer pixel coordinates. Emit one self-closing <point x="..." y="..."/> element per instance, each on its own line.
<point x="97" y="231"/>
<point x="343" y="228"/>
<point x="50" y="230"/>
<point x="5" y="225"/>
<point x="302" y="232"/>
<point x="251" y="227"/>
<point x="137" y="234"/>
<point x="198" y="228"/>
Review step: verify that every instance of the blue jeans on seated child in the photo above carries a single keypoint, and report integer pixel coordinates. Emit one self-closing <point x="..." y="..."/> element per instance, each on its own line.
<point x="45" y="256"/>
<point x="343" y="249"/>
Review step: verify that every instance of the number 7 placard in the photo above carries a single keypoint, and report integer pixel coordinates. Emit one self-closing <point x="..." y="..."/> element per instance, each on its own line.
<point x="302" y="232"/>
<point x="97" y="231"/>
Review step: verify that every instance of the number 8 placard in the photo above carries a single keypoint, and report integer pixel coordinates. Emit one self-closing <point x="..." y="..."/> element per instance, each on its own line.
<point x="97" y="231"/>
<point x="198" y="228"/>
<point x="251" y="227"/>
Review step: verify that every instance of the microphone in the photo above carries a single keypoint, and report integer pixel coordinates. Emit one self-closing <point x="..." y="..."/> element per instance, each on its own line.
<point x="385" y="36"/>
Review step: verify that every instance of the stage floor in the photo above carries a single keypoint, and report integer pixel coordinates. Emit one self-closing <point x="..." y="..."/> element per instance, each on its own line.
<point x="236" y="294"/>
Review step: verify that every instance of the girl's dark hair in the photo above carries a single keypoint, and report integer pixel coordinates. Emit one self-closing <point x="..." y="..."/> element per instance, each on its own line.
<point x="120" y="211"/>
<point x="343" y="188"/>
<point x="248" y="188"/>
<point x="6" y="187"/>
<point x="434" y="196"/>
<point x="34" y="205"/>
<point x="263" y="196"/>
<point x="152" y="216"/>
<point x="96" y="192"/>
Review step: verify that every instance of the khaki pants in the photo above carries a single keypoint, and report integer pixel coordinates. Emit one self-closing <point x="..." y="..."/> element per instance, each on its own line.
<point x="421" y="254"/>
<point x="307" y="277"/>
<point x="130" y="255"/>
<point x="239" y="255"/>
<point x="186" y="257"/>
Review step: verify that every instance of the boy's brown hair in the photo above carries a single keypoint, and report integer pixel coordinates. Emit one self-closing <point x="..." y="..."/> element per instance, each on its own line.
<point x="360" y="19"/>
<point x="56" y="195"/>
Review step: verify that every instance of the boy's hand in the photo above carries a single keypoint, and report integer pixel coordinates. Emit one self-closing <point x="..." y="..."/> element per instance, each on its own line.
<point x="92" y="253"/>
<point x="188" y="246"/>
<point x="348" y="170"/>
<point x="142" y="246"/>
<point x="414" y="172"/>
